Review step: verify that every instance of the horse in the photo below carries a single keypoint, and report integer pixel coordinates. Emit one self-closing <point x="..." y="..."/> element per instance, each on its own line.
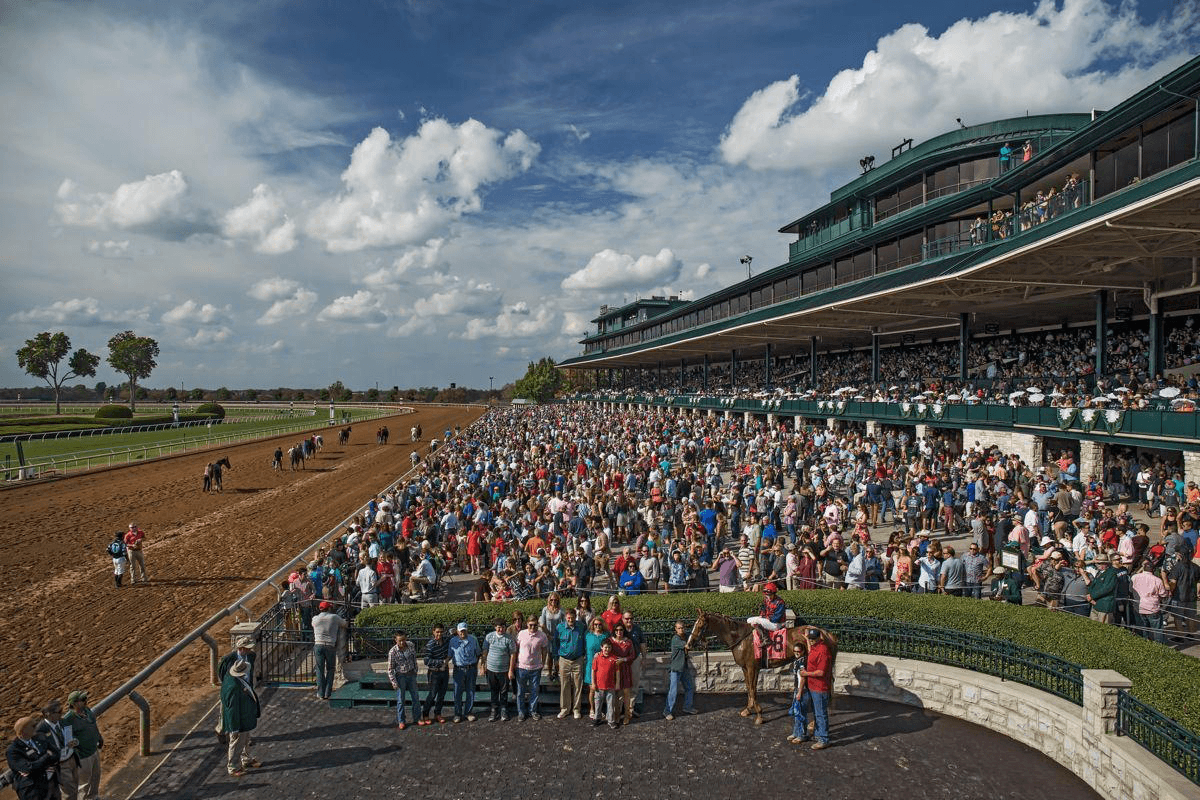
<point x="217" y="466"/>
<point x="296" y="456"/>
<point x="343" y="436"/>
<point x="318" y="442"/>
<point x="736" y="635"/>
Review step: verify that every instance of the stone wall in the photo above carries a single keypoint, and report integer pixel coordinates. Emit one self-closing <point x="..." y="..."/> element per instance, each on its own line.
<point x="1082" y="739"/>
<point x="1027" y="446"/>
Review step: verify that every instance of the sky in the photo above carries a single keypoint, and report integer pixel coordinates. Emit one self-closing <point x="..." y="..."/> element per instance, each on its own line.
<point x="420" y="192"/>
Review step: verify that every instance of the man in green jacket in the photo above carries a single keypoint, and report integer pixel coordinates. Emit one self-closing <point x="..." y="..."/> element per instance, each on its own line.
<point x="1008" y="588"/>
<point x="84" y="728"/>
<point x="239" y="716"/>
<point x="1102" y="590"/>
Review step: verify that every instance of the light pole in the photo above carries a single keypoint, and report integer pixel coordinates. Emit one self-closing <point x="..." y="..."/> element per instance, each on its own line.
<point x="490" y="379"/>
<point x="746" y="259"/>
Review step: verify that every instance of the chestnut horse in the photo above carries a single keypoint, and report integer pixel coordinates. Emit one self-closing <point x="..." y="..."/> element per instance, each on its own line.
<point x="736" y="635"/>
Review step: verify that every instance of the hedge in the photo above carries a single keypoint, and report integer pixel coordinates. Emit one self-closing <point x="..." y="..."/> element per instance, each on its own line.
<point x="215" y="410"/>
<point x="111" y="411"/>
<point x="1162" y="677"/>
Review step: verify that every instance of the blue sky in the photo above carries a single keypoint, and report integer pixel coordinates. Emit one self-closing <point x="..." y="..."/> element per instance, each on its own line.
<point x="417" y="193"/>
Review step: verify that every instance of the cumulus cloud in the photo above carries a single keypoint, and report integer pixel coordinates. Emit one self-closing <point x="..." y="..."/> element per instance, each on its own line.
<point x="360" y="307"/>
<point x="287" y="297"/>
<point x="456" y="298"/>
<point x="518" y="320"/>
<point x="132" y="205"/>
<point x="915" y="84"/>
<point x="422" y="258"/>
<point x="192" y="312"/>
<point x="262" y="219"/>
<point x="77" y="311"/>
<point x="209" y="336"/>
<point x="609" y="269"/>
<point x="404" y="192"/>
<point x="109" y="249"/>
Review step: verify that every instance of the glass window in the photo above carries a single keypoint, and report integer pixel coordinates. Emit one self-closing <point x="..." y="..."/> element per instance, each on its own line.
<point x="885" y="205"/>
<point x="1154" y="152"/>
<point x="909" y="248"/>
<point x="885" y="256"/>
<point x="862" y="264"/>
<point x="743" y="303"/>
<point x="844" y="269"/>
<point x="793" y="286"/>
<point x="909" y="194"/>
<point x="1181" y="139"/>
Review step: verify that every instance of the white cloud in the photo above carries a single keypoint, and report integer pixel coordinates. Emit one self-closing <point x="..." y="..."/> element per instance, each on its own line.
<point x="516" y="321"/>
<point x="914" y="84"/>
<point x="457" y="298"/>
<point x="703" y="270"/>
<point x="263" y="220"/>
<point x="421" y="258"/>
<point x="209" y="336"/>
<point x="78" y="311"/>
<point x="361" y="307"/>
<point x="609" y="269"/>
<point x="132" y="205"/>
<point x="287" y="297"/>
<point x="109" y="249"/>
<point x="192" y="312"/>
<point x="579" y="133"/>
<point x="404" y="192"/>
<point x="274" y="348"/>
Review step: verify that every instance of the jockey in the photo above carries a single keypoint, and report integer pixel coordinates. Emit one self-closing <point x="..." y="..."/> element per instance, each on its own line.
<point x="773" y="610"/>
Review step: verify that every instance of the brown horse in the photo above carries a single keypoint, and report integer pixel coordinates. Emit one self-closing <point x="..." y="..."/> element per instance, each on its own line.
<point x="736" y="635"/>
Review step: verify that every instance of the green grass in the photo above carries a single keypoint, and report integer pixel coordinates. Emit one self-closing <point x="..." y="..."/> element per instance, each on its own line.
<point x="152" y="443"/>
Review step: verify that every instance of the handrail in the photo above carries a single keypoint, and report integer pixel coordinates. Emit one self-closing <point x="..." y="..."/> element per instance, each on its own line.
<point x="127" y="689"/>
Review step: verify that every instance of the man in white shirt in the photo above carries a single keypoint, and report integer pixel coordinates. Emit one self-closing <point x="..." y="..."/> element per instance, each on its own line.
<point x="368" y="584"/>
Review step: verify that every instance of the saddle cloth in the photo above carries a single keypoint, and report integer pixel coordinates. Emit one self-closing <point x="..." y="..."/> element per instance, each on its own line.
<point x="775" y="644"/>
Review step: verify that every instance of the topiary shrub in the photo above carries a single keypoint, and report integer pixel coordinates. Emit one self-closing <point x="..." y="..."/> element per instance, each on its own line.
<point x="215" y="410"/>
<point x="114" y="412"/>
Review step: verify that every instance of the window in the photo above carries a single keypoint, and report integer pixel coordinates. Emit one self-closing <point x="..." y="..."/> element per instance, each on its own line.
<point x="909" y="248"/>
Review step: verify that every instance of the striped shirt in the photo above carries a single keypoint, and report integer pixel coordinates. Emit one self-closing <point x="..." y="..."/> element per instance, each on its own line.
<point x="437" y="653"/>
<point x="402" y="662"/>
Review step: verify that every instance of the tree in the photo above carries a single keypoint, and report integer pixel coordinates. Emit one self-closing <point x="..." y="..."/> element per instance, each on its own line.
<point x="540" y="383"/>
<point x="132" y="356"/>
<point x="373" y="395"/>
<point x="41" y="356"/>
<point x="172" y="393"/>
<point x="196" y="394"/>
<point x="101" y="388"/>
<point x="223" y="394"/>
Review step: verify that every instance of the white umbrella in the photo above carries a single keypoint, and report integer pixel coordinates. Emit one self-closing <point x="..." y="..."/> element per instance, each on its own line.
<point x="1100" y="399"/>
<point x="1121" y="389"/>
<point x="1016" y="394"/>
<point x="1037" y="398"/>
<point x="1169" y="392"/>
<point x="1114" y="397"/>
<point x="1057" y="393"/>
<point x="1180" y="401"/>
<point x="919" y="398"/>
<point x="953" y="397"/>
<point x="929" y="391"/>
<point x="845" y="389"/>
<point x="893" y="388"/>
<point x="859" y="397"/>
<point x="1034" y="390"/>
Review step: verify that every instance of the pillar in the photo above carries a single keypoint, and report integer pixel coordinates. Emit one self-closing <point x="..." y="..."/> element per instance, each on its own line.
<point x="812" y="362"/>
<point x="1191" y="466"/>
<point x="733" y="370"/>
<point x="747" y="418"/>
<point x="767" y="367"/>
<point x="832" y="423"/>
<point x="1101" y="333"/>
<point x="772" y="420"/>
<point x="798" y="422"/>
<point x="874" y="358"/>
<point x="922" y="431"/>
<point x="712" y="413"/>
<point x="1100" y="688"/>
<point x="704" y="384"/>
<point x="872" y="427"/>
<point x="1091" y="459"/>
<point x="964" y="342"/>
<point x="1156" y="341"/>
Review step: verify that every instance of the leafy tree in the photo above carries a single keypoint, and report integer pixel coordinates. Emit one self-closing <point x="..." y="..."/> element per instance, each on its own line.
<point x="373" y="395"/>
<point x="101" y="388"/>
<point x="142" y="394"/>
<point x="41" y="356"/>
<point x="277" y="394"/>
<point x="540" y="383"/>
<point x="323" y="395"/>
<point x="252" y="394"/>
<point x="172" y="393"/>
<point x="132" y="356"/>
<point x="196" y="394"/>
<point x="394" y="394"/>
<point x="223" y="394"/>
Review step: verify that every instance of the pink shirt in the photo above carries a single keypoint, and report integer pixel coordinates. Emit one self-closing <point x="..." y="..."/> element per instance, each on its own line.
<point x="531" y="649"/>
<point x="1150" y="591"/>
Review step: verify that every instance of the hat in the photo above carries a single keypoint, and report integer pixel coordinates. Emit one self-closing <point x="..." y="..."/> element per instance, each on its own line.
<point x="295" y="576"/>
<point x="924" y="534"/>
<point x="998" y="571"/>
<point x="325" y="605"/>
<point x="244" y="641"/>
<point x="133" y="525"/>
<point x="770" y="588"/>
<point x="78" y="694"/>
<point x="462" y="626"/>
<point x="790" y="546"/>
<point x="239" y="669"/>
<point x="1046" y="540"/>
<point x="813" y="633"/>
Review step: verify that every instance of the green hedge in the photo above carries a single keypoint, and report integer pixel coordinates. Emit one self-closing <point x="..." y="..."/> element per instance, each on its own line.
<point x="1161" y="677"/>
<point x="215" y="410"/>
<point x="114" y="412"/>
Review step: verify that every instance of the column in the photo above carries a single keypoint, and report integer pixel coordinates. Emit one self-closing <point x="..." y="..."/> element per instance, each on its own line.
<point x="964" y="342"/>
<point x="812" y="361"/>
<point x="1091" y="459"/>
<point x="874" y="358"/>
<point x="1100" y="688"/>
<point x="1156" y="341"/>
<point x="733" y="370"/>
<point x="704" y="384"/>
<point x="767" y="367"/>
<point x="1191" y="466"/>
<point x="682" y="365"/>
<point x="1101" y="333"/>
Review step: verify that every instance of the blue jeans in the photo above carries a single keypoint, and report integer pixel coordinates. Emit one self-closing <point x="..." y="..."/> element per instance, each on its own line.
<point x="528" y="680"/>
<point x="464" y="689"/>
<point x="689" y="690"/>
<point x="818" y="702"/>
<point x="407" y="684"/>
<point x="326" y="657"/>
<point x="1155" y="623"/>
<point x="974" y="590"/>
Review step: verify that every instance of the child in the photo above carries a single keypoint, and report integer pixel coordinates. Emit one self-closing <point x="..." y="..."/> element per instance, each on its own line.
<point x="606" y="678"/>
<point x="799" y="730"/>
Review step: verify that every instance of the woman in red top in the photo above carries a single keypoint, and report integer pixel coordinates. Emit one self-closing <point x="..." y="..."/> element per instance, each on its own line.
<point x="612" y="615"/>
<point x="622" y="648"/>
<point x="387" y="577"/>
<point x="475" y="547"/>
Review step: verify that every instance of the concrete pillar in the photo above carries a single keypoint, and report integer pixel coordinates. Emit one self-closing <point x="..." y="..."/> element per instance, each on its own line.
<point x="833" y="423"/>
<point x="767" y="367"/>
<point x="1101" y="333"/>
<point x="798" y="422"/>
<point x="747" y="418"/>
<point x="1156" y="342"/>
<point x="1100" y="688"/>
<point x="874" y="358"/>
<point x="1091" y="459"/>
<point x="772" y="419"/>
<point x="872" y="428"/>
<point x="725" y="415"/>
<point x="733" y="370"/>
<point x="812" y="362"/>
<point x="712" y="413"/>
<point x="922" y="431"/>
<point x="704" y="383"/>
<point x="1191" y="466"/>
<point x="964" y="343"/>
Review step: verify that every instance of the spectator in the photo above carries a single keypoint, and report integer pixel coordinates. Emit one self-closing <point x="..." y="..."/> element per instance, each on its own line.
<point x="89" y="743"/>
<point x="240" y="710"/>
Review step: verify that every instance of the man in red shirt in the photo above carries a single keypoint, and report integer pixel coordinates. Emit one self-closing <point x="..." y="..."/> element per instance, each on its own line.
<point x="133" y="546"/>
<point x="818" y="675"/>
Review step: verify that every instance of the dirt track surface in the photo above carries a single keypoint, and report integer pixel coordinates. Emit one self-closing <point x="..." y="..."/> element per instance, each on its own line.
<point x="67" y="627"/>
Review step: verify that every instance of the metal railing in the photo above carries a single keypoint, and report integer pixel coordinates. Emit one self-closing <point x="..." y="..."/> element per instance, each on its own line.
<point x="1162" y="736"/>
<point x="117" y="430"/>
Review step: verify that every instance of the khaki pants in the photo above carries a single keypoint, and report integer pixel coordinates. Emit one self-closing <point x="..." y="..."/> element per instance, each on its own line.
<point x="88" y="777"/>
<point x="570" y="691"/>
<point x="68" y="780"/>
<point x="137" y="561"/>
<point x="239" y="750"/>
<point x="635" y="670"/>
<point x="1101" y="616"/>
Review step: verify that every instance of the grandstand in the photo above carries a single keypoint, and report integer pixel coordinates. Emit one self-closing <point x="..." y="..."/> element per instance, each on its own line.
<point x="1055" y="252"/>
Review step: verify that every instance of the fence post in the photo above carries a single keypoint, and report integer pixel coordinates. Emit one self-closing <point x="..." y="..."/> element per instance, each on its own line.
<point x="1100" y="688"/>
<point x="214" y="658"/>
<point x="143" y="720"/>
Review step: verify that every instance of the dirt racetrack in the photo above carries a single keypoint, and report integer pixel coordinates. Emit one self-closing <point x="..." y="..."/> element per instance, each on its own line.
<point x="67" y="627"/>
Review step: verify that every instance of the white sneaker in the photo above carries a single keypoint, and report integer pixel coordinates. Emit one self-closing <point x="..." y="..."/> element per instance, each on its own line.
<point x="563" y="714"/>
<point x="578" y="715"/>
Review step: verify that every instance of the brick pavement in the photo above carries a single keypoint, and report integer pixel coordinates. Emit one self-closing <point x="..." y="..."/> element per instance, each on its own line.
<point x="881" y="750"/>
